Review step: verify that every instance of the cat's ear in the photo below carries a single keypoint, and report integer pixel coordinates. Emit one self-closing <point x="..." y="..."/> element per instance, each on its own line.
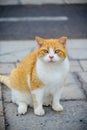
<point x="63" y="40"/>
<point x="40" y="41"/>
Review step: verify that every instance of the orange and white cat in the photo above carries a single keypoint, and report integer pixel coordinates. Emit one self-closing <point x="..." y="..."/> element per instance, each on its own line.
<point x="39" y="78"/>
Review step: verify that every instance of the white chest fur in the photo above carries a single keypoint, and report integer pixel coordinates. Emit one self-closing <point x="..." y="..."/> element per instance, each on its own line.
<point x="52" y="74"/>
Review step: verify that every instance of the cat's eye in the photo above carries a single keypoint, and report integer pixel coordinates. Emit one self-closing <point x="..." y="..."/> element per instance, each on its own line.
<point x="57" y="51"/>
<point x="46" y="51"/>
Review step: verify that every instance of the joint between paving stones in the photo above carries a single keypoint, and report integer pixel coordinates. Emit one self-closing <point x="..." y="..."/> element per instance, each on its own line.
<point x="4" y="113"/>
<point x="72" y="59"/>
<point x="80" y="65"/>
<point x="3" y="106"/>
<point x="81" y="82"/>
<point x="66" y="100"/>
<point x="7" y="62"/>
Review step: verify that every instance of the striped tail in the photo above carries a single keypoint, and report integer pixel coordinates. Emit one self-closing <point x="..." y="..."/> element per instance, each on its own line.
<point x="5" y="80"/>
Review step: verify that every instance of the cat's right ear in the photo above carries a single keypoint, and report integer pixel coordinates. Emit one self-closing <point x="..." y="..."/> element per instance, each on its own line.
<point x="40" y="41"/>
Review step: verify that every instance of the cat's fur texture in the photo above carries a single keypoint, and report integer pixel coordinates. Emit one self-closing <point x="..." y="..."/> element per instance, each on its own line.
<point x="39" y="78"/>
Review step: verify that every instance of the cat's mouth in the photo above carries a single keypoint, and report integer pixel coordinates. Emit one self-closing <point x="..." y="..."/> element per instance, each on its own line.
<point x="51" y="61"/>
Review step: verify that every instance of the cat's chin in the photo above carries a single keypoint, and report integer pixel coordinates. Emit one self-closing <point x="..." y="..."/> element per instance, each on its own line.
<point x="52" y="61"/>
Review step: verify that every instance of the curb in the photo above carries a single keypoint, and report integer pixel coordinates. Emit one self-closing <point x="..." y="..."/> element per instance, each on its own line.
<point x="40" y="2"/>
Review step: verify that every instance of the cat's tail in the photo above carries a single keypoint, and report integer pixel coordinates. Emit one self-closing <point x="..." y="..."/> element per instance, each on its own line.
<point x="5" y="80"/>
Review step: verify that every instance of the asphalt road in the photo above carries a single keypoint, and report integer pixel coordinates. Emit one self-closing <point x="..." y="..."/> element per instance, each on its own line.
<point x="73" y="26"/>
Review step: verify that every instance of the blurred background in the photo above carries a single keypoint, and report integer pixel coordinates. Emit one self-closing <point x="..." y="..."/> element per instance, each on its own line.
<point x="25" y="19"/>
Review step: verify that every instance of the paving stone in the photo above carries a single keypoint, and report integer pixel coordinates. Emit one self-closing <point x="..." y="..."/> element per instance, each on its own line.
<point x="8" y="2"/>
<point x="75" y="1"/>
<point x="72" y="89"/>
<point x="83" y="76"/>
<point x="42" y="2"/>
<point x="72" y="92"/>
<point x="1" y="109"/>
<point x="80" y="54"/>
<point x="77" y="49"/>
<point x="75" y="66"/>
<point x="2" y="123"/>
<point x="6" y="68"/>
<point x="83" y="79"/>
<point x="71" y="79"/>
<point x="13" y="51"/>
<point x="85" y="88"/>
<point x="84" y="64"/>
<point x="77" y="43"/>
<point x="74" y="117"/>
<point x="0" y="92"/>
<point x="6" y="94"/>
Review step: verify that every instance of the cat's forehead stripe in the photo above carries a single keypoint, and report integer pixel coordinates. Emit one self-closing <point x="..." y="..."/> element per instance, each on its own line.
<point x="51" y="51"/>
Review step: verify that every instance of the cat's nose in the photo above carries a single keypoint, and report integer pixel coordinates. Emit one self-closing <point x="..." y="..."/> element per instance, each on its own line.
<point x="51" y="57"/>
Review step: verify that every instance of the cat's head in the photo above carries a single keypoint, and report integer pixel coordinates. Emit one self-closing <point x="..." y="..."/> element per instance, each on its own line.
<point x="52" y="50"/>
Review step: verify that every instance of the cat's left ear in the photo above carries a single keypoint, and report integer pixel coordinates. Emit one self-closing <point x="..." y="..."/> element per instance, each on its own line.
<point x="40" y="41"/>
<point x="63" y="40"/>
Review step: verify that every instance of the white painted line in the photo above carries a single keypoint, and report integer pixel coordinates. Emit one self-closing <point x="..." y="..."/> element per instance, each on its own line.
<point x="42" y="18"/>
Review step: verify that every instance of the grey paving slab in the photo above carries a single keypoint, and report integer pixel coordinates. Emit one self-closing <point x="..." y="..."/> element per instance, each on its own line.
<point x="42" y="2"/>
<point x="77" y="49"/>
<point x="76" y="54"/>
<point x="75" y="1"/>
<point x="6" y="94"/>
<point x="77" y="43"/>
<point x="2" y="123"/>
<point x="75" y="66"/>
<point x="83" y="79"/>
<point x="74" y="117"/>
<point x="9" y="2"/>
<point x="0" y="92"/>
<point x="85" y="88"/>
<point x="83" y="76"/>
<point x="71" y="79"/>
<point x="1" y="109"/>
<point x="12" y="51"/>
<point x="6" y="68"/>
<point x="7" y="47"/>
<point x="72" y="89"/>
<point x="72" y="92"/>
<point x="84" y="64"/>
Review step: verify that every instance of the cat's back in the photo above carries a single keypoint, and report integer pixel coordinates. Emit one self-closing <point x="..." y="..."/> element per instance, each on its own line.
<point x="19" y="75"/>
<point x="28" y="62"/>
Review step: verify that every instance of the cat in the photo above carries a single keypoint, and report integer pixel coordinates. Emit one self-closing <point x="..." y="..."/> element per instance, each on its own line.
<point x="39" y="78"/>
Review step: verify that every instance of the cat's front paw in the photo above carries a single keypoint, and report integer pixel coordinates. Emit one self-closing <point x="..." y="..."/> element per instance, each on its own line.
<point x="39" y="111"/>
<point x="22" y="109"/>
<point x="57" y="107"/>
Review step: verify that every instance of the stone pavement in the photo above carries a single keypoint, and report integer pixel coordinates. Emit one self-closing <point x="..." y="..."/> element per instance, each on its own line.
<point x="74" y="97"/>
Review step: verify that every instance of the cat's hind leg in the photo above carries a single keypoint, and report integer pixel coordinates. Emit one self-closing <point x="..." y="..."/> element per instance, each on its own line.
<point x="22" y="108"/>
<point x="22" y="99"/>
